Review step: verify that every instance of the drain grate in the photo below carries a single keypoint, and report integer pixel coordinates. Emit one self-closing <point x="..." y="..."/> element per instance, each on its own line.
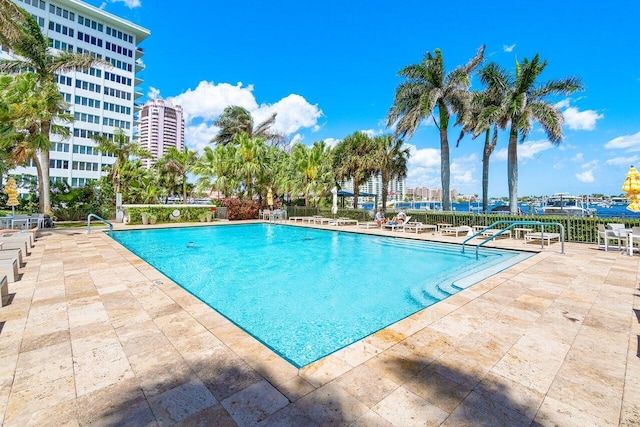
<point x="158" y="282"/>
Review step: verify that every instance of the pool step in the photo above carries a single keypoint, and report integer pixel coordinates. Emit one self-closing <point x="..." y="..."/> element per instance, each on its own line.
<point x="449" y="288"/>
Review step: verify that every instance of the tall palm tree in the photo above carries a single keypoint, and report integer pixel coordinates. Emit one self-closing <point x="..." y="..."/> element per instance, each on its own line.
<point x="179" y="163"/>
<point x="353" y="158"/>
<point x="390" y="159"/>
<point x="123" y="148"/>
<point x="216" y="169"/>
<point x="525" y="103"/>
<point x="27" y="105"/>
<point x="235" y="120"/>
<point x="250" y="159"/>
<point x="11" y="19"/>
<point x="312" y="163"/>
<point x="480" y="116"/>
<point x="429" y="88"/>
<point x="32" y="51"/>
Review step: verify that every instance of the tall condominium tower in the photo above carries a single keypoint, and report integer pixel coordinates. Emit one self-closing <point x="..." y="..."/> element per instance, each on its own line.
<point x="101" y="99"/>
<point x="161" y="126"/>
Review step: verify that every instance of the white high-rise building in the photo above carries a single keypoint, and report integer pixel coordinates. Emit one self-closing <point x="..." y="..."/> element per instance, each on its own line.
<point x="161" y="127"/>
<point x="101" y="99"/>
<point x="395" y="189"/>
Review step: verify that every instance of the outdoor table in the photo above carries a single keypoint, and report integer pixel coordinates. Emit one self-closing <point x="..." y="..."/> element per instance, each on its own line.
<point x="17" y="223"/>
<point x="519" y="230"/>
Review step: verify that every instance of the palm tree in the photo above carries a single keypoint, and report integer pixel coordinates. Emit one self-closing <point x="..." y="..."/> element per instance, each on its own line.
<point x="353" y="158"/>
<point x="312" y="163"/>
<point x="216" y="169"/>
<point x="235" y="120"/>
<point x="11" y="19"/>
<point x="479" y="117"/>
<point x="32" y="52"/>
<point x="427" y="89"/>
<point x="250" y="159"/>
<point x="123" y="148"/>
<point x="29" y="108"/>
<point x="179" y="163"/>
<point x="524" y="103"/>
<point x="391" y="160"/>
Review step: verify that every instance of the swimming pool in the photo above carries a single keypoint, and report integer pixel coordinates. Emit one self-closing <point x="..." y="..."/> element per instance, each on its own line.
<point x="304" y="292"/>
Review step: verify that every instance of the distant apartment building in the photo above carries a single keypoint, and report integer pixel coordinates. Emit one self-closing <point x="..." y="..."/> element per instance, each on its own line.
<point x="429" y="194"/>
<point x="101" y="99"/>
<point x="161" y="127"/>
<point x="395" y="190"/>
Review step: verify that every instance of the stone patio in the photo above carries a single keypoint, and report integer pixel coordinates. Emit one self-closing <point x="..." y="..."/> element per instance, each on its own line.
<point x="95" y="336"/>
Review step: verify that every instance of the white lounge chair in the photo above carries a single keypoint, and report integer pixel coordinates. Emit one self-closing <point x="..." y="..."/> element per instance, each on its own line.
<point x="10" y="268"/>
<point x="367" y="224"/>
<point x="4" y="290"/>
<point x="546" y="237"/>
<point x="398" y="226"/>
<point x="461" y="229"/>
<point x="496" y="232"/>
<point x="419" y="227"/>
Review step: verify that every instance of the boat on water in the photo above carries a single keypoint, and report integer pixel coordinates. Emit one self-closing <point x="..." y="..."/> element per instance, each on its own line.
<point x="562" y="204"/>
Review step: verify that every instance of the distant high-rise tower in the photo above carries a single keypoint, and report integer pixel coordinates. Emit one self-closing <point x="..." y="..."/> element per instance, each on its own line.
<point x="161" y="126"/>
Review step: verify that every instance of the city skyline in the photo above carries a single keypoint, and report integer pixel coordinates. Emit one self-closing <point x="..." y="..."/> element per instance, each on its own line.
<point x="337" y="74"/>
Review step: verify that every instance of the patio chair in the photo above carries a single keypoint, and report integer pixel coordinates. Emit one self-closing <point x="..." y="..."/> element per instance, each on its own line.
<point x="634" y="238"/>
<point x="614" y="233"/>
<point x="397" y="226"/>
<point x="419" y="227"/>
<point x="461" y="229"/>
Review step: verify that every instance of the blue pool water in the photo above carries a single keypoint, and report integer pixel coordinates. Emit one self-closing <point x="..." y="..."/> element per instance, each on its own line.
<point x="304" y="292"/>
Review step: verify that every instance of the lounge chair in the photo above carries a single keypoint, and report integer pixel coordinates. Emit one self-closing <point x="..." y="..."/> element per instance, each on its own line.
<point x="419" y="227"/>
<point x="367" y="225"/>
<point x="18" y="242"/>
<point x="344" y="221"/>
<point x="465" y="230"/>
<point x="548" y="237"/>
<point x="10" y="268"/>
<point x="4" y="290"/>
<point x="497" y="232"/>
<point x="398" y="226"/>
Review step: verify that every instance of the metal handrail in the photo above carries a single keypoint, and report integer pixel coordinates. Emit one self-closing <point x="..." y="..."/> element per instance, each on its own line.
<point x="98" y="218"/>
<point x="510" y="226"/>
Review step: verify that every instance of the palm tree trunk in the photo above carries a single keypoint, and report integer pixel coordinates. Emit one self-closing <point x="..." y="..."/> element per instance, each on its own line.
<point x="385" y="184"/>
<point x="445" y="168"/>
<point x="184" y="189"/>
<point x="36" y="161"/>
<point x="485" y="171"/>
<point x="512" y="169"/>
<point x="45" y="193"/>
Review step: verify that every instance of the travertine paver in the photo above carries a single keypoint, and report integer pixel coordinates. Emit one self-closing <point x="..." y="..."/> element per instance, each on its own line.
<point x="95" y="336"/>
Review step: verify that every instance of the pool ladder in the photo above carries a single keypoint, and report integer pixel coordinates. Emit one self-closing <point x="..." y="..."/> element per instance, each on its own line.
<point x="99" y="219"/>
<point x="509" y="227"/>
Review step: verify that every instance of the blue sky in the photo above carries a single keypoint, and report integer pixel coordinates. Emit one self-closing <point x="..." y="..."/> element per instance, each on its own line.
<point x="330" y="68"/>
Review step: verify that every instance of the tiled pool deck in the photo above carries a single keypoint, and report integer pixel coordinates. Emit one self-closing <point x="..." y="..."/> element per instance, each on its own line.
<point x="94" y="335"/>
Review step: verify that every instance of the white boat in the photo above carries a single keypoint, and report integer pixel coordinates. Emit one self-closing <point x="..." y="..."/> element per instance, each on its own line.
<point x="562" y="204"/>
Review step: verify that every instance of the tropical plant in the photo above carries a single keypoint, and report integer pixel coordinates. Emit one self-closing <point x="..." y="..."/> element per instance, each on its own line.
<point x="390" y="159"/>
<point x="524" y="103"/>
<point x="235" y="120"/>
<point x="11" y="20"/>
<point x="27" y="111"/>
<point x="32" y="52"/>
<point x="314" y="169"/>
<point x="123" y="148"/>
<point x="216" y="169"/>
<point x="353" y="158"/>
<point x="428" y="88"/>
<point x="480" y="116"/>
<point x="249" y="158"/>
<point x="179" y="163"/>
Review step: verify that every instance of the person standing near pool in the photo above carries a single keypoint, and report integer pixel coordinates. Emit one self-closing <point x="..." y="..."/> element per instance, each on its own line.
<point x="380" y="218"/>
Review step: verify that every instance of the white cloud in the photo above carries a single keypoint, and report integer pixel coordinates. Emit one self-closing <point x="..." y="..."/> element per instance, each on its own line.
<point x="558" y="166"/>
<point x="371" y="132"/>
<point x="623" y="161"/>
<point x="578" y="158"/>
<point x="562" y="104"/>
<point x="586" y="176"/>
<point x="592" y="164"/>
<point x="581" y="120"/>
<point x="153" y="93"/>
<point x="131" y="4"/>
<point x="528" y="150"/>
<point x="628" y="142"/>
<point x="423" y="167"/>
<point x="508" y="48"/>
<point x="462" y="170"/>
<point x="332" y="142"/>
<point x="293" y="114"/>
<point x="208" y="100"/>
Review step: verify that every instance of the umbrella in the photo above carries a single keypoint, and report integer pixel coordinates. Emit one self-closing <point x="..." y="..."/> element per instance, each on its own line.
<point x="631" y="187"/>
<point x="270" y="197"/>
<point x="334" y="207"/>
<point x="11" y="191"/>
